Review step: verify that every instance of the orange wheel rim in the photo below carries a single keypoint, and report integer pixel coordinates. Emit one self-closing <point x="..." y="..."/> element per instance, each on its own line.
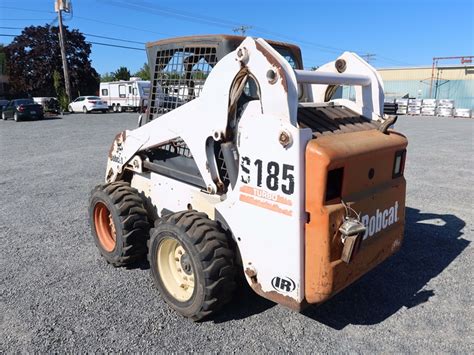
<point x="104" y="227"/>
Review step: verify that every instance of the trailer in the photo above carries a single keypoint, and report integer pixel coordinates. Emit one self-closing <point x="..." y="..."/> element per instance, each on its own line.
<point x="125" y="95"/>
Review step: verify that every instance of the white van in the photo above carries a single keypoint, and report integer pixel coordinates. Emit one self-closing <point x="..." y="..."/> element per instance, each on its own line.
<point x="125" y="95"/>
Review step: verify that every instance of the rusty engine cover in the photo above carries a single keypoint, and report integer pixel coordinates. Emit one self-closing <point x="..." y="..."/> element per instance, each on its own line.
<point x="362" y="163"/>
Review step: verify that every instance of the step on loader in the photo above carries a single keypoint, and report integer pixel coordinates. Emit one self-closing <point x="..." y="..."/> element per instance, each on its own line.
<point x="246" y="164"/>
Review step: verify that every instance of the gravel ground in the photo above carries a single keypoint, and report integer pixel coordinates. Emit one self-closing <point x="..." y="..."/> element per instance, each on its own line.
<point x="58" y="295"/>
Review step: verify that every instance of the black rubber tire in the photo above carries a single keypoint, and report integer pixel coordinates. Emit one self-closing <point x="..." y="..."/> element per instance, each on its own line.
<point x="4" y="117"/>
<point x="119" y="108"/>
<point x="212" y="259"/>
<point x="84" y="110"/>
<point x="16" y="117"/>
<point x="129" y="218"/>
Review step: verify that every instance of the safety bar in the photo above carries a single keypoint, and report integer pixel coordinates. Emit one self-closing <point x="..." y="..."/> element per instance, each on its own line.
<point x="318" y="77"/>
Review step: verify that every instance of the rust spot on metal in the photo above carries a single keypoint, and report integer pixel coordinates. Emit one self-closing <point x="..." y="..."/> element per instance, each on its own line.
<point x="250" y="272"/>
<point x="276" y="297"/>
<point x="120" y="137"/>
<point x="273" y="295"/>
<point x="275" y="63"/>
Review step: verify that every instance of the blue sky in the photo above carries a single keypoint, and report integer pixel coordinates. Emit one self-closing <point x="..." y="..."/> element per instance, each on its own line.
<point x="400" y="33"/>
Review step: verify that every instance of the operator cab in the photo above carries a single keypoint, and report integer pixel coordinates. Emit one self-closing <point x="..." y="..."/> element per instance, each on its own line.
<point x="180" y="66"/>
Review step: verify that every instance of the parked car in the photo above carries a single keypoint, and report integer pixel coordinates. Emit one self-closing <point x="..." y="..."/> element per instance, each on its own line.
<point x="21" y="109"/>
<point x="3" y="103"/>
<point x="50" y="104"/>
<point x="88" y="104"/>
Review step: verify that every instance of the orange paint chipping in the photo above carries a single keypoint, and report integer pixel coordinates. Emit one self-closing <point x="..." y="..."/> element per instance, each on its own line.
<point x="264" y="204"/>
<point x="264" y="194"/>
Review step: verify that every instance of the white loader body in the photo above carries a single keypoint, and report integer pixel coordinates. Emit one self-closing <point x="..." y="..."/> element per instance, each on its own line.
<point x="265" y="207"/>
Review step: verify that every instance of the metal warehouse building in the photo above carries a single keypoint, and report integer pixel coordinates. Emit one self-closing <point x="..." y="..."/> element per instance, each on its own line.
<point x="449" y="82"/>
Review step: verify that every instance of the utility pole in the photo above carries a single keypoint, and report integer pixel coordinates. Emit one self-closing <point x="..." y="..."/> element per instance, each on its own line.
<point x="60" y="6"/>
<point x="368" y="57"/>
<point x="242" y="29"/>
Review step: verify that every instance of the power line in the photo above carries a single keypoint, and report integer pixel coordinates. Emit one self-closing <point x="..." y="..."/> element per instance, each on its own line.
<point x="23" y="9"/>
<point x="242" y="29"/>
<point x="24" y="19"/>
<point x="91" y="42"/>
<point x="148" y="7"/>
<point x="170" y="12"/>
<point x="115" y="45"/>
<point x="112" y="38"/>
<point x="86" y="34"/>
<point x="144" y="6"/>
<point x="368" y="57"/>
<point x="394" y="60"/>
<point x="123" y="26"/>
<point x="80" y="17"/>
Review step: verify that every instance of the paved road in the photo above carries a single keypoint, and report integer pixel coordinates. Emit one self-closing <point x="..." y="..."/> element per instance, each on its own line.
<point x="57" y="294"/>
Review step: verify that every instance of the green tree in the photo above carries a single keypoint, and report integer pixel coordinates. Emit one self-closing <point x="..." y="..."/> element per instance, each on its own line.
<point x="33" y="56"/>
<point x="144" y="72"/>
<point x="60" y="91"/>
<point x="122" y="73"/>
<point x="107" y="77"/>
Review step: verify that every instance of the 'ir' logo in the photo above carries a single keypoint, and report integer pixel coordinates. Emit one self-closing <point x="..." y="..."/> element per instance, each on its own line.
<point x="283" y="284"/>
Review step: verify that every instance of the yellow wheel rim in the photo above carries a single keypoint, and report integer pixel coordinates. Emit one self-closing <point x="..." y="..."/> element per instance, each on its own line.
<point x="175" y="269"/>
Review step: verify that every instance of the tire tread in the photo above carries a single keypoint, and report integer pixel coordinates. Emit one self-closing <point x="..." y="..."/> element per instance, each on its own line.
<point x="133" y="222"/>
<point x="214" y="253"/>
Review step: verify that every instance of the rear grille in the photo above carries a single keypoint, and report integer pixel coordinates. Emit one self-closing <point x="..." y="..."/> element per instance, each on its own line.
<point x="333" y="120"/>
<point x="223" y="172"/>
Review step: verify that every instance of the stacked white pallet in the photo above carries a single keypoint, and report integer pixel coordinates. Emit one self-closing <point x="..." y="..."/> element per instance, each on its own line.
<point x="402" y="106"/>
<point x="462" y="112"/>
<point x="445" y="108"/>
<point x="429" y="107"/>
<point x="414" y="106"/>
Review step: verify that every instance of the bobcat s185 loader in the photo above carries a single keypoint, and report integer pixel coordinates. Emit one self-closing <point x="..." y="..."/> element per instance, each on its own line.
<point x="247" y="164"/>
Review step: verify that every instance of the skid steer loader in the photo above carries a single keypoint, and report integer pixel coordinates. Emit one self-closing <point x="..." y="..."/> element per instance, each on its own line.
<point x="246" y="164"/>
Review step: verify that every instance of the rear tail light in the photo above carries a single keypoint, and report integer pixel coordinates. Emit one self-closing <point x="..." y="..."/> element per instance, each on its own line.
<point x="21" y="108"/>
<point x="399" y="163"/>
<point x="92" y="101"/>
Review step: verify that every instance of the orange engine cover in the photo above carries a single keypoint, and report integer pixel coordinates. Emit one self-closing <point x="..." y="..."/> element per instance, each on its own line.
<point x="368" y="185"/>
